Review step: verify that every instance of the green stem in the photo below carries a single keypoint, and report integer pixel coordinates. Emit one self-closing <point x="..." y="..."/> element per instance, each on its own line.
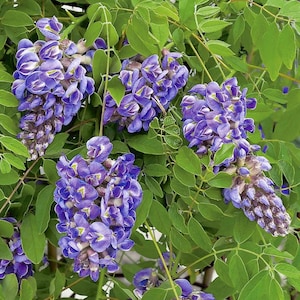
<point x="100" y="292"/>
<point x="163" y="261"/>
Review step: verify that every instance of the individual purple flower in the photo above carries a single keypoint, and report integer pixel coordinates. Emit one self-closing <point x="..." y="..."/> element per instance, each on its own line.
<point x="214" y="115"/>
<point x="50" y="83"/>
<point x="96" y="199"/>
<point x="254" y="193"/>
<point x="150" y="86"/>
<point x="50" y="28"/>
<point x="143" y="280"/>
<point x="187" y="292"/>
<point x="20" y="265"/>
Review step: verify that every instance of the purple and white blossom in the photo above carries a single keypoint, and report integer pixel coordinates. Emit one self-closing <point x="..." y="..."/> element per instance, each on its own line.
<point x="96" y="199"/>
<point x="19" y="265"/>
<point x="150" y="86"/>
<point x="254" y="193"/>
<point x="214" y="115"/>
<point x="50" y="83"/>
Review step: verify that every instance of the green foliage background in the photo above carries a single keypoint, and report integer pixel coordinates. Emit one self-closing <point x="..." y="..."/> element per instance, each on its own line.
<point x="255" y="41"/>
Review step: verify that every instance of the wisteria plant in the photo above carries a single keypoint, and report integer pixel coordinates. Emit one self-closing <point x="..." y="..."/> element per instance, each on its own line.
<point x="149" y="149"/>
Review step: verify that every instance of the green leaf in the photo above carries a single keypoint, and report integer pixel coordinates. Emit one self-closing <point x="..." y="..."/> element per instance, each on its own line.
<point x="161" y="293"/>
<point x="43" y="206"/>
<point x="14" y="145"/>
<point x="178" y="188"/>
<point x="10" y="286"/>
<point x="5" y="166"/>
<point x="92" y="32"/>
<point x="50" y="170"/>
<point x="177" y="218"/>
<point x="8" y="99"/>
<point x="31" y="8"/>
<point x="100" y="61"/>
<point x="173" y="141"/>
<point x="275" y="3"/>
<point x="210" y="211"/>
<point x="212" y="25"/>
<point x="288" y="270"/>
<point x="287" y="170"/>
<point x="236" y="63"/>
<point x="180" y="242"/>
<point x="258" y="27"/>
<point x="243" y="228"/>
<point x="268" y="49"/>
<point x="160" y="28"/>
<point x="26" y="290"/>
<point x="5" y="252"/>
<point x="186" y="178"/>
<point x="143" y="209"/>
<point x="291" y="9"/>
<point x="15" y="161"/>
<point x="275" y="95"/>
<point x="159" y="218"/>
<point x="226" y="151"/>
<point x="6" y="229"/>
<point x="9" y="178"/>
<point x="140" y="38"/>
<point x="154" y="186"/>
<point x="238" y="28"/>
<point x="237" y="272"/>
<point x="57" y="284"/>
<point x="144" y="144"/>
<point x="257" y="287"/>
<point x="156" y="170"/>
<point x="8" y="124"/>
<point x="55" y="148"/>
<point x="219" y="47"/>
<point x="110" y="33"/>
<point x="188" y="160"/>
<point x="288" y="54"/>
<point x="33" y="241"/>
<point x="221" y="180"/>
<point x="16" y="18"/>
<point x="208" y="11"/>
<point x="272" y="251"/>
<point x="222" y="270"/>
<point x="6" y="77"/>
<point x="199" y="235"/>
<point x="116" y="89"/>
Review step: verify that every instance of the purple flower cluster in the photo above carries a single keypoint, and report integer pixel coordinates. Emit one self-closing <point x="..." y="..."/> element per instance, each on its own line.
<point x="148" y="278"/>
<point x="254" y="193"/>
<point x="215" y="115"/>
<point x="50" y="83"/>
<point x="20" y="265"/>
<point x="96" y="202"/>
<point x="150" y="85"/>
<point x="153" y="277"/>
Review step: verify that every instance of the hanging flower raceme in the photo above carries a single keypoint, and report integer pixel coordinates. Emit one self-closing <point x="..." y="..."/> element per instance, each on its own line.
<point x="50" y="83"/>
<point x="19" y="265"/>
<point x="150" y="86"/>
<point x="96" y="202"/>
<point x="254" y="193"/>
<point x="215" y="115"/>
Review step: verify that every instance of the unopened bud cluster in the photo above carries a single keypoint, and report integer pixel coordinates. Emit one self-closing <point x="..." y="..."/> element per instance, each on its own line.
<point x="150" y="86"/>
<point x="96" y="202"/>
<point x="254" y="193"/>
<point x="50" y="83"/>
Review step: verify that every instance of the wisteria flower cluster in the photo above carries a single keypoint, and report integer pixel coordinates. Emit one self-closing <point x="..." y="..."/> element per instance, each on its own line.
<point x="147" y="278"/>
<point x="254" y="193"/>
<point x="20" y="265"/>
<point x="150" y="86"/>
<point x="215" y="115"/>
<point x="50" y="83"/>
<point x="96" y="202"/>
